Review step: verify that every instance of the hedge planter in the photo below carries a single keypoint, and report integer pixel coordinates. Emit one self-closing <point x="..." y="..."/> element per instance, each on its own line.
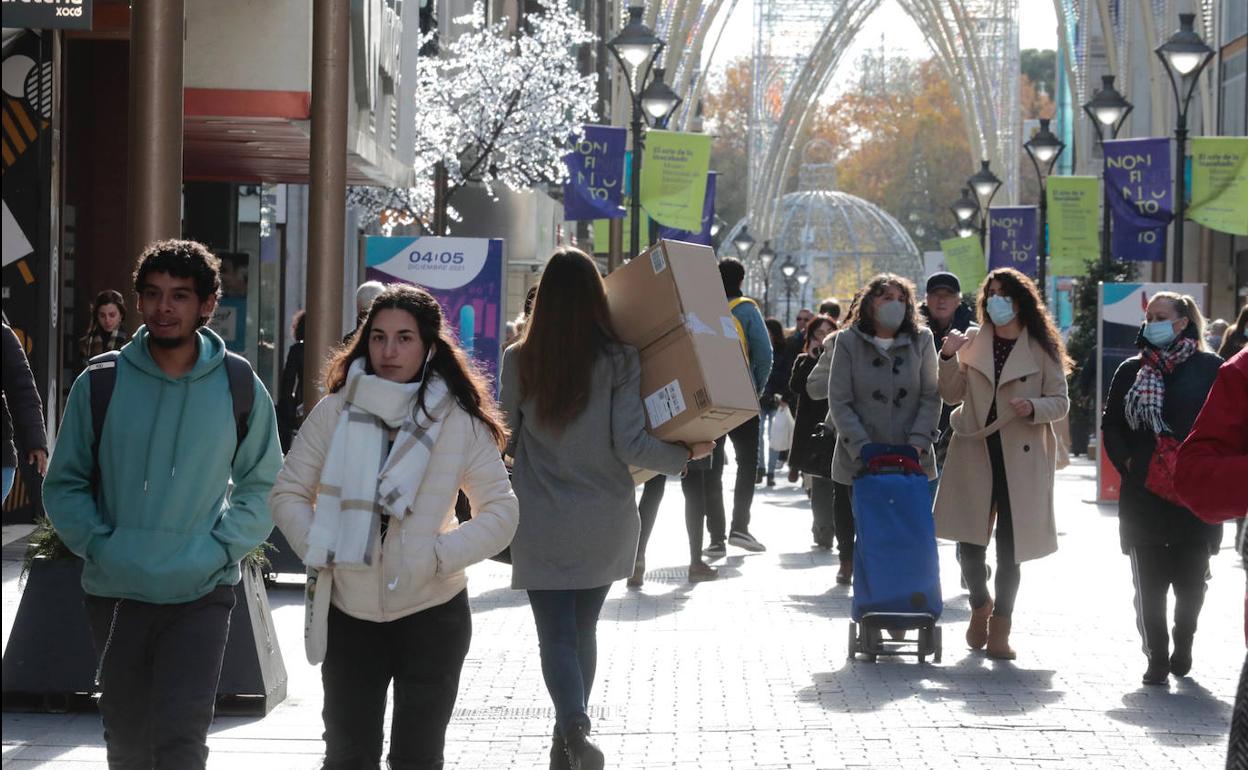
<point x="49" y="663"/>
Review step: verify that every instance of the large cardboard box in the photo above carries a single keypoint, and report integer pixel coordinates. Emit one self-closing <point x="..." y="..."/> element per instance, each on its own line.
<point x="673" y="285"/>
<point x="695" y="382"/>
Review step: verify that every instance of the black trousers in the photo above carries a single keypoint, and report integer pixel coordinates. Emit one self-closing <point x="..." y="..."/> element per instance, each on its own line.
<point x="1237" y="746"/>
<point x="1155" y="569"/>
<point x="974" y="557"/>
<point x="833" y="509"/>
<point x="159" y="668"/>
<point x="745" y="449"/>
<point x="648" y="508"/>
<point x="423" y="655"/>
<point x="704" y="499"/>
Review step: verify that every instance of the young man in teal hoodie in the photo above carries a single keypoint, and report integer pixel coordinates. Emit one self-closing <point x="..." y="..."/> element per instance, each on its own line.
<point x="160" y="527"/>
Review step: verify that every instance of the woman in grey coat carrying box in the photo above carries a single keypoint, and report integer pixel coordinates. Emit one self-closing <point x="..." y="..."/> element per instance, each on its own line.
<point x="572" y="395"/>
<point x="882" y="384"/>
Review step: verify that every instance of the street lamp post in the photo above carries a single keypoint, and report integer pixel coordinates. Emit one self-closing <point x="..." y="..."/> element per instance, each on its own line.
<point x="634" y="46"/>
<point x="1187" y="54"/>
<point x="966" y="211"/>
<point x="788" y="269"/>
<point x="984" y="184"/>
<point x="1108" y="110"/>
<point x="803" y="277"/>
<point x="1043" y="149"/>
<point x="766" y="256"/>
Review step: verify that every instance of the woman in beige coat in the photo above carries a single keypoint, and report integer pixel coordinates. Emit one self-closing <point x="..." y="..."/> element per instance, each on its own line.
<point x="1009" y="377"/>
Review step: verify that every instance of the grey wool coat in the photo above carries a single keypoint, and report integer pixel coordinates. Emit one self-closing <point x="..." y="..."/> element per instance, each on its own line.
<point x="578" y="511"/>
<point x="882" y="396"/>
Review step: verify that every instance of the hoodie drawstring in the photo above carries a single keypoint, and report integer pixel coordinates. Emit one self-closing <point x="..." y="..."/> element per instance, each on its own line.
<point x="147" y="462"/>
<point x="177" y="433"/>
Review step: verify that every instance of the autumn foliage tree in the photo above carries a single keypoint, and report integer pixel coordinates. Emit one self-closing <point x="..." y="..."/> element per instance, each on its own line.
<point x="726" y="114"/>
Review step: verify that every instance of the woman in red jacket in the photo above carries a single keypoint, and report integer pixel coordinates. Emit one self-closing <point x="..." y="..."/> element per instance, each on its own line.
<point x="1215" y="452"/>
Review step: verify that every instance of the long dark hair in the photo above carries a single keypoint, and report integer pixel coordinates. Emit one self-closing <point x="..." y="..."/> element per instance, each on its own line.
<point x="864" y="315"/>
<point x="567" y="331"/>
<point x="463" y="379"/>
<point x="775" y="330"/>
<point x="107" y="297"/>
<point x="808" y="332"/>
<point x="1032" y="314"/>
<point x="1234" y="337"/>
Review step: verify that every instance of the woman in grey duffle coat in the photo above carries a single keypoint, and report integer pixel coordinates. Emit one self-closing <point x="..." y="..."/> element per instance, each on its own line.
<point x="1009" y="378"/>
<point x="882" y="383"/>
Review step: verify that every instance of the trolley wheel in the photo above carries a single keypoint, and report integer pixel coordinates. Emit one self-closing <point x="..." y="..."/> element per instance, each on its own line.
<point x="922" y="658"/>
<point x="853" y="640"/>
<point x="936" y="634"/>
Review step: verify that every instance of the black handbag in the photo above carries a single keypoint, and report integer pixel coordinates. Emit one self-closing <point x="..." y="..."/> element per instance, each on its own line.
<point x="820" y="446"/>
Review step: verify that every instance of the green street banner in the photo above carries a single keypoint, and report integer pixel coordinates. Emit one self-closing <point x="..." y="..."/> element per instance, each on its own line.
<point x="965" y="258"/>
<point x="1220" y="183"/>
<point x="1074" y="214"/>
<point x="673" y="178"/>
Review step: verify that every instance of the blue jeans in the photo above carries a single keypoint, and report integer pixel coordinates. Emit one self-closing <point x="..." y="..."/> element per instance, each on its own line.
<point x="9" y="475"/>
<point x="567" y="623"/>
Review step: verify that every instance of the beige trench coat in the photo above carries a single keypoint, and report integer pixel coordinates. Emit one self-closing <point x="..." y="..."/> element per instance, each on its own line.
<point x="963" y="507"/>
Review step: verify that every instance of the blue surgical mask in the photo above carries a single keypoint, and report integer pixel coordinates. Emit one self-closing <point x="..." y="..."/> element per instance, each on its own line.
<point x="1160" y="333"/>
<point x="1000" y="310"/>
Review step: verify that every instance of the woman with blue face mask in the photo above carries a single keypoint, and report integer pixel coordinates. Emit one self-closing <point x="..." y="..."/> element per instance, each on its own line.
<point x="1007" y="377"/>
<point x="1153" y="402"/>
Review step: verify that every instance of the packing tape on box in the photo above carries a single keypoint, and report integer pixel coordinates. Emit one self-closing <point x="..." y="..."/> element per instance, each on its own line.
<point x="695" y="325"/>
<point x="729" y="325"/>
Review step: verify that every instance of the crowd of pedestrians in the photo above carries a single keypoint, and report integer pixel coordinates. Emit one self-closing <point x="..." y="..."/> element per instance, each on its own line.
<point x="367" y="491"/>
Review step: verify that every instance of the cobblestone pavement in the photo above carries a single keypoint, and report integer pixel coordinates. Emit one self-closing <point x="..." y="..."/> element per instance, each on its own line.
<point x="751" y="672"/>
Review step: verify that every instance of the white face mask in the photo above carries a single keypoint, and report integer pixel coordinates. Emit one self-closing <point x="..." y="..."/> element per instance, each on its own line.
<point x="890" y="314"/>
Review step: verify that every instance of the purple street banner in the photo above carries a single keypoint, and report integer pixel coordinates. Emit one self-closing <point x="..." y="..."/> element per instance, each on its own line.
<point x="1138" y="184"/>
<point x="595" y="186"/>
<point x="1012" y="238"/>
<point x="708" y="218"/>
<point x="465" y="275"/>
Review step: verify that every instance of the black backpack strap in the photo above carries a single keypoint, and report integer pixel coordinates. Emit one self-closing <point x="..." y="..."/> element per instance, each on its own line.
<point x="102" y="370"/>
<point x="242" y="391"/>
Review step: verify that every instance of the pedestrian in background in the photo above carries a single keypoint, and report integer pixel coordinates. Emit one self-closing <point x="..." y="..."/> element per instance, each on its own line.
<point x="572" y="397"/>
<point x="701" y="491"/>
<point x="831" y="307"/>
<point x="161" y="549"/>
<point x="1235" y="337"/>
<point x="1217" y="450"/>
<point x="944" y="312"/>
<point x="811" y="442"/>
<point x="24" y="434"/>
<point x="775" y="396"/>
<point x="842" y="498"/>
<point x="1153" y="401"/>
<point x="367" y="497"/>
<point x="882" y="382"/>
<point x="290" y="386"/>
<point x="104" y="332"/>
<point x="1008" y="380"/>
<point x="365" y="293"/>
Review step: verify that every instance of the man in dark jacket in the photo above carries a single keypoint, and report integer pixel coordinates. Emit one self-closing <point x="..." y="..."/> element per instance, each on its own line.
<point x="944" y="310"/>
<point x="23" y="413"/>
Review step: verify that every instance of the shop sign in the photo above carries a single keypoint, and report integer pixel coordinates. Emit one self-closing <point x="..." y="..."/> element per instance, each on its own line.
<point x="47" y="14"/>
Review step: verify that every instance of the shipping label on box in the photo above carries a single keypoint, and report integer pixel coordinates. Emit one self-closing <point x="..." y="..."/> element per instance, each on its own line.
<point x="664" y="404"/>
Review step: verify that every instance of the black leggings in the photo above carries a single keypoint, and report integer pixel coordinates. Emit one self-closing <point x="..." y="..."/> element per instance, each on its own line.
<point x="648" y="509"/>
<point x="974" y="557"/>
<point x="704" y="499"/>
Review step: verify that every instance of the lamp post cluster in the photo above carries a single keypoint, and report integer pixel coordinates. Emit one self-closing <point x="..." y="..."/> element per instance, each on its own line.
<point x="1108" y="110"/>
<point x="653" y="100"/>
<point x="970" y="212"/>
<point x="795" y="276"/>
<point x="1043" y="149"/>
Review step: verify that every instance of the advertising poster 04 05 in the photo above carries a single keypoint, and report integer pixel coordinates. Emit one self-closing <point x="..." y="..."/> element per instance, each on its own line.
<point x="466" y="277"/>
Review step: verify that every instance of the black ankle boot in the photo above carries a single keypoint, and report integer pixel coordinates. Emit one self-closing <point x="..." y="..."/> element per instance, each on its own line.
<point x="558" y="753"/>
<point x="1158" y="671"/>
<point x="581" y="752"/>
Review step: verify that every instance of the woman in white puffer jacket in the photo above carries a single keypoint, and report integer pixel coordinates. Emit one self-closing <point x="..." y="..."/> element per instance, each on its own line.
<point x="367" y="498"/>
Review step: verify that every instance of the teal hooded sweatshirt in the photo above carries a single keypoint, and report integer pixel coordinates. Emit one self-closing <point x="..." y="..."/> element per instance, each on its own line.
<point x="167" y="526"/>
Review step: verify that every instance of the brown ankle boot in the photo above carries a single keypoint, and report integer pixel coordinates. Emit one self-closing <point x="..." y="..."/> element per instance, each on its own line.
<point x="999" y="639"/>
<point x="977" y="631"/>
